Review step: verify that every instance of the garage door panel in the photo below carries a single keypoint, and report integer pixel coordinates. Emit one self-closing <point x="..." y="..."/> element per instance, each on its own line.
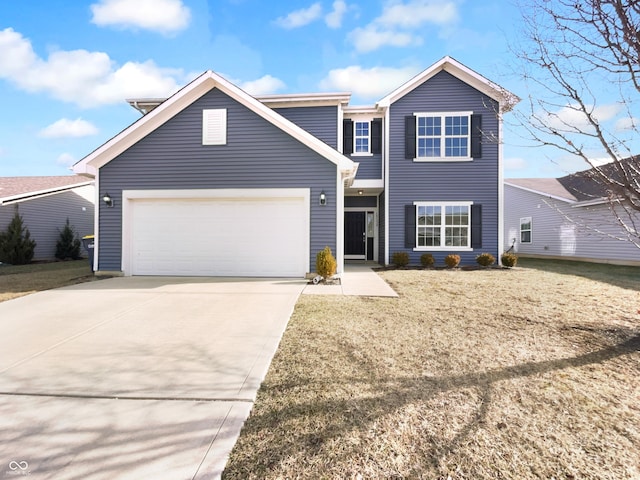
<point x="220" y="237"/>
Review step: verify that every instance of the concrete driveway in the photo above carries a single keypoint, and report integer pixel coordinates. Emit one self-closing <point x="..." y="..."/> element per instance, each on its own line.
<point x="134" y="378"/>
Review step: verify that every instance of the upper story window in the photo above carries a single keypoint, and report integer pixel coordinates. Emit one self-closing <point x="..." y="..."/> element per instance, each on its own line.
<point x="361" y="139"/>
<point x="442" y="136"/>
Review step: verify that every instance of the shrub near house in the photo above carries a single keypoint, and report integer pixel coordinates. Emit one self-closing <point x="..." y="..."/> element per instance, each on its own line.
<point x="16" y="245"/>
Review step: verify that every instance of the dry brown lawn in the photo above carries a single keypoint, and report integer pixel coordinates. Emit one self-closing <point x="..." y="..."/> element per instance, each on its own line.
<point x="499" y="374"/>
<point x="19" y="280"/>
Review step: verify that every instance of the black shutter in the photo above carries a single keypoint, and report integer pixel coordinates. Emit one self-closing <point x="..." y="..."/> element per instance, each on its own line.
<point x="476" y="136"/>
<point x="347" y="137"/>
<point x="409" y="226"/>
<point x="410" y="137"/>
<point x="476" y="226"/>
<point x="376" y="135"/>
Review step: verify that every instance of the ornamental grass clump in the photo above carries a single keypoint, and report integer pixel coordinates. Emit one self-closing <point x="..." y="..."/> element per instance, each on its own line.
<point x="400" y="259"/>
<point x="452" y="260"/>
<point x="427" y="260"/>
<point x="509" y="259"/>
<point x="326" y="264"/>
<point x="485" y="259"/>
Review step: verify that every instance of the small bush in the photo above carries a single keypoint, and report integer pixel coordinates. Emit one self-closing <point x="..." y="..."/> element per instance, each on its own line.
<point x="326" y="264"/>
<point x="452" y="260"/>
<point x="16" y="246"/>
<point x="400" y="259"/>
<point x="68" y="244"/>
<point x="509" y="259"/>
<point x="427" y="260"/>
<point x="485" y="259"/>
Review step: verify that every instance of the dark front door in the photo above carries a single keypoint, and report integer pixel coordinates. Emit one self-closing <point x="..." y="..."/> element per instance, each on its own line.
<point x="355" y="233"/>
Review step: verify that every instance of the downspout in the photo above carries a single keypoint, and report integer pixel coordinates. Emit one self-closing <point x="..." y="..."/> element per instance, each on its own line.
<point x="385" y="160"/>
<point x="96" y="221"/>
<point x="500" y="189"/>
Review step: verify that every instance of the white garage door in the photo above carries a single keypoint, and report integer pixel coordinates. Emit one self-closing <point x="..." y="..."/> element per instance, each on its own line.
<point x="221" y="236"/>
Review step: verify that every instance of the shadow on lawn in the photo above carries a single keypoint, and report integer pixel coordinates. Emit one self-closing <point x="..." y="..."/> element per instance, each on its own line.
<point x="339" y="417"/>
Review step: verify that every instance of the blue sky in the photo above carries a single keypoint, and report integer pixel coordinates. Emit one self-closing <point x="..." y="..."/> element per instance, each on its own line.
<point x="67" y="66"/>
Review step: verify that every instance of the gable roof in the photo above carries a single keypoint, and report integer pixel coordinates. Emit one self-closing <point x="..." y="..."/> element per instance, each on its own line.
<point x="186" y="96"/>
<point x="13" y="189"/>
<point x="506" y="99"/>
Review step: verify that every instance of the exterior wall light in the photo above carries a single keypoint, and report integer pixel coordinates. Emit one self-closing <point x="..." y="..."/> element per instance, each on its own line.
<point x="107" y="200"/>
<point x="323" y="198"/>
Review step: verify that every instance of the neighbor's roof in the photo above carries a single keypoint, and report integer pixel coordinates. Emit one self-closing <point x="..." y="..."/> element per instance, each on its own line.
<point x="584" y="186"/>
<point x="547" y="186"/>
<point x="16" y="188"/>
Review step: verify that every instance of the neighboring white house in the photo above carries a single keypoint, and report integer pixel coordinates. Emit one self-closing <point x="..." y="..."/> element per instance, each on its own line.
<point x="568" y="217"/>
<point x="45" y="203"/>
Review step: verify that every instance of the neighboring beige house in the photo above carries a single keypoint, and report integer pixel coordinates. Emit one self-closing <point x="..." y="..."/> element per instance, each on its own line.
<point x="569" y="217"/>
<point x="45" y="203"/>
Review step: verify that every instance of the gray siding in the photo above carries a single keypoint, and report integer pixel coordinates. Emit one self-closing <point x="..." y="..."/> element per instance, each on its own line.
<point x="370" y="167"/>
<point x="257" y="155"/>
<point x="45" y="217"/>
<point x="321" y="122"/>
<point x="559" y="230"/>
<point x="475" y="181"/>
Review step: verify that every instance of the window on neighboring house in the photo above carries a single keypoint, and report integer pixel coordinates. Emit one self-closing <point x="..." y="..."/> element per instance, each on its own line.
<point x="443" y="225"/>
<point x="525" y="230"/>
<point x="361" y="137"/>
<point x="438" y="136"/>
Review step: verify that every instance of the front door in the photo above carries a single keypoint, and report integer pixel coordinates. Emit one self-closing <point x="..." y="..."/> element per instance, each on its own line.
<point x="355" y="234"/>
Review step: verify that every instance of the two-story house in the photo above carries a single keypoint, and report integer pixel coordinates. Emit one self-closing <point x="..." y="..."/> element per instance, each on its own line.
<point x="214" y="181"/>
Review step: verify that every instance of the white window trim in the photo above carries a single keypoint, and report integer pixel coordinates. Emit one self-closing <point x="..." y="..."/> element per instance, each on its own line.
<point x="468" y="158"/>
<point x="530" y="230"/>
<point x="368" y="152"/>
<point x="444" y="248"/>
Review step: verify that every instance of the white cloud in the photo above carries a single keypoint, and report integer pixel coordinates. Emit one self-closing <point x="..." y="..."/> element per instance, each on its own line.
<point x="65" y="128"/>
<point x="416" y="13"/>
<point x="371" y="38"/>
<point x="85" y="78"/>
<point x="334" y="19"/>
<point x="164" y="16"/>
<point x="515" y="163"/>
<point x="570" y="118"/>
<point x="372" y="83"/>
<point x="300" y="18"/>
<point x="66" y="159"/>
<point x="627" y="123"/>
<point x="262" y="86"/>
<point x="395" y="24"/>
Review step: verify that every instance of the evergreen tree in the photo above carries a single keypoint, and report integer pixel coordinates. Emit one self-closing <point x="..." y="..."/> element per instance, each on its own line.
<point x="16" y="246"/>
<point x="68" y="244"/>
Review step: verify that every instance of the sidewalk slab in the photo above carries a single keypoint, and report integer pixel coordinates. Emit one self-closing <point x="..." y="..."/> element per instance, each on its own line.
<point x="356" y="280"/>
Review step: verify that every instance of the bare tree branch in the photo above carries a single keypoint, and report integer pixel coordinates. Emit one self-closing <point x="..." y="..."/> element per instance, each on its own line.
<point x="571" y="46"/>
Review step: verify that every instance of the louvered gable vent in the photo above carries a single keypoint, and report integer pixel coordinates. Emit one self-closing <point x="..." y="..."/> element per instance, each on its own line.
<point x="214" y="127"/>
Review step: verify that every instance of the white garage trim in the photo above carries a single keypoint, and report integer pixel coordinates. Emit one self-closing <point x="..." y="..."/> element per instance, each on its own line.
<point x="129" y="197"/>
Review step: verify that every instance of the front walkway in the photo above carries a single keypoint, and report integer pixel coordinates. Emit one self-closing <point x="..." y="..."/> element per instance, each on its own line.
<point x="357" y="280"/>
